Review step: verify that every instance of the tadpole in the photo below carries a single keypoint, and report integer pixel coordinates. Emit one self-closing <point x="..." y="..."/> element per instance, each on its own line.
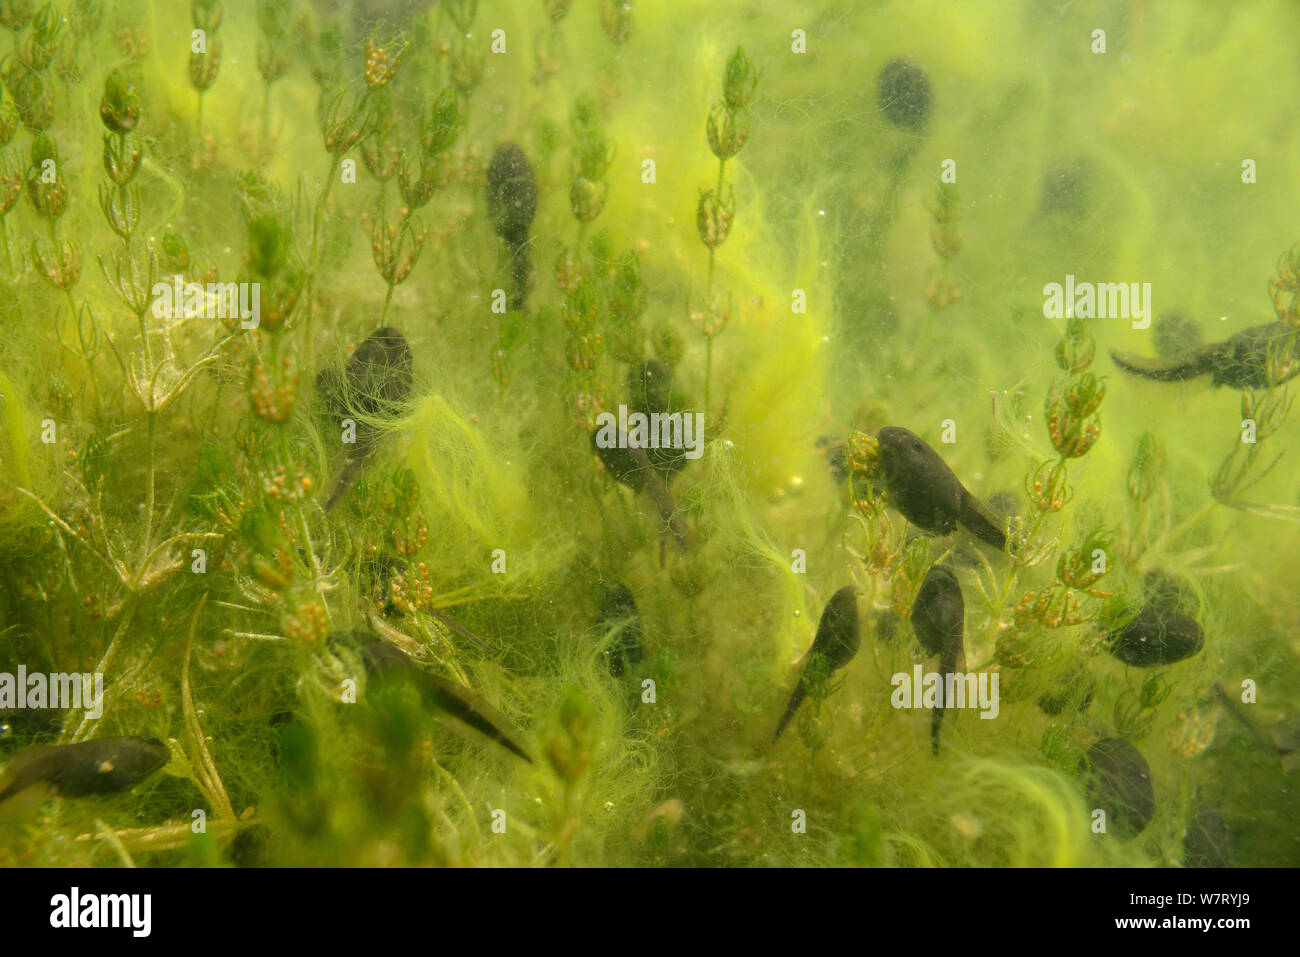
<point x="1118" y="782"/>
<point x="903" y="93"/>
<point x="512" y="204"/>
<point x="374" y="386"/>
<point x="938" y="618"/>
<point x="1238" y="362"/>
<point x="85" y="769"/>
<point x="632" y="467"/>
<point x="837" y="641"/>
<point x="929" y="495"/>
<point x="619" y="613"/>
<point x="1156" y="636"/>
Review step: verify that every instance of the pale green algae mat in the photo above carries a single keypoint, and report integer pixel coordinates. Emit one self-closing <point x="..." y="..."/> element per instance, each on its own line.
<point x="639" y="434"/>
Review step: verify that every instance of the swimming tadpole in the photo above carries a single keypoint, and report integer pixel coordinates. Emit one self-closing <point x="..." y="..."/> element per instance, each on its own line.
<point x="85" y="769"/>
<point x="619" y="613"/>
<point x="938" y="618"/>
<point x="1156" y="636"/>
<point x="385" y="662"/>
<point x="1119" y="782"/>
<point x="929" y="495"/>
<point x="903" y="94"/>
<point x="632" y="467"/>
<point x="1238" y="362"/>
<point x="374" y="386"/>
<point x="837" y="641"/>
<point x="512" y="204"/>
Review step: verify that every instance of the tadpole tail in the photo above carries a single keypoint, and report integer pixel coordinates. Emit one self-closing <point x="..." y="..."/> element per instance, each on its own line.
<point x="466" y="706"/>
<point x="1187" y="366"/>
<point x="657" y="489"/>
<point x="952" y="661"/>
<point x="459" y="629"/>
<point x="980" y="521"/>
<point x="520" y="270"/>
<point x="796" y="699"/>
<point x="352" y="468"/>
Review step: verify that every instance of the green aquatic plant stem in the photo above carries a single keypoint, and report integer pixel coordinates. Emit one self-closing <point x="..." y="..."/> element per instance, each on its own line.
<point x="708" y="335"/>
<point x="708" y="369"/>
<point x="460" y="793"/>
<point x="149" y="486"/>
<point x="204" y="765"/>
<point x="335" y="160"/>
<point x="109" y="836"/>
<point x="286" y="457"/>
<point x="388" y="299"/>
<point x="107" y="663"/>
<point x="63" y="526"/>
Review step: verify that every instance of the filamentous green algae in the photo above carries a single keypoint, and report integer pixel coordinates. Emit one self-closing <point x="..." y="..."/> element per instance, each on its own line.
<point x="432" y="433"/>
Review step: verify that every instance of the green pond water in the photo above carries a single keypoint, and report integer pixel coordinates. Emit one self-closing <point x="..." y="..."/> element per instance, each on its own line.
<point x="335" y="337"/>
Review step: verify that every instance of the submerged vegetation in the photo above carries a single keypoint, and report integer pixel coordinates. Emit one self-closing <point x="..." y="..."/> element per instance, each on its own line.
<point x="434" y="566"/>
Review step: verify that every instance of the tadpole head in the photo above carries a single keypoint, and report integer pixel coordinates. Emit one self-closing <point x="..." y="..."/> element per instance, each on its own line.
<point x="939" y="611"/>
<point x="902" y="452"/>
<point x="511" y="193"/>
<point x="838" y="633"/>
<point x="626" y="467"/>
<point x="903" y="94"/>
<point x="379" y="374"/>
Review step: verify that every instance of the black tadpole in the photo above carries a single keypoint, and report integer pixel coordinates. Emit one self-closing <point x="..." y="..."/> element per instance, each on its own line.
<point x="383" y="660"/>
<point x="512" y="204"/>
<point x="1156" y="636"/>
<point x="85" y="769"/>
<point x="632" y="467"/>
<point x="375" y="385"/>
<point x="929" y="495"/>
<point x="938" y="618"/>
<point x="903" y="93"/>
<point x="619" y="612"/>
<point x="1238" y="362"/>
<point x="1119" y="783"/>
<point x="838" y="639"/>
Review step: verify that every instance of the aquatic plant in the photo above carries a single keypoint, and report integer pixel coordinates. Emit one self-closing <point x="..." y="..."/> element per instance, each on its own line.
<point x="364" y="589"/>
